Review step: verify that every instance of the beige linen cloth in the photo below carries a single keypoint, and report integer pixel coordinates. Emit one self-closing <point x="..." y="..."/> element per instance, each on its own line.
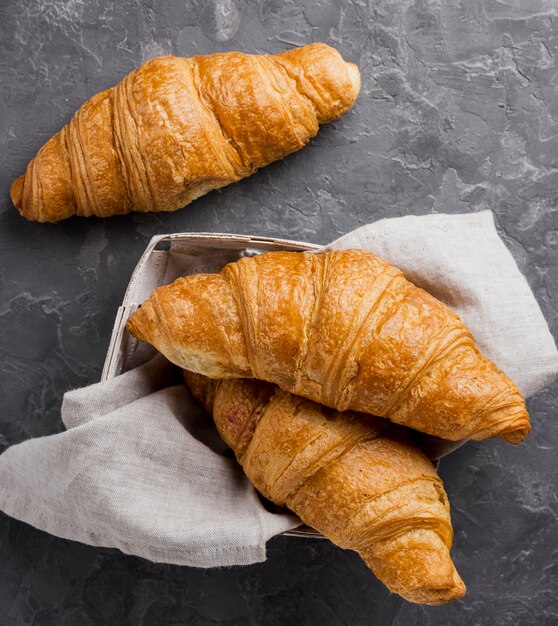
<point x="140" y="467"/>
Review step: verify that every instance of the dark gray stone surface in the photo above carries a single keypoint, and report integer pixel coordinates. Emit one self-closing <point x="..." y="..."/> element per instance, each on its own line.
<point x="458" y="112"/>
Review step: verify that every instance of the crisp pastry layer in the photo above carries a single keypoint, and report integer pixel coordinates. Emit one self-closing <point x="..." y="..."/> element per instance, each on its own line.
<point x="343" y="328"/>
<point x="359" y="481"/>
<point x="176" y="128"/>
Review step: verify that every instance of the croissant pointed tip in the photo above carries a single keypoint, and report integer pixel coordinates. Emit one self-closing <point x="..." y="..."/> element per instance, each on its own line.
<point x="437" y="596"/>
<point x="354" y="77"/>
<point x="516" y="435"/>
<point x="136" y="324"/>
<point x="512" y="424"/>
<point x="16" y="192"/>
<point x="436" y="590"/>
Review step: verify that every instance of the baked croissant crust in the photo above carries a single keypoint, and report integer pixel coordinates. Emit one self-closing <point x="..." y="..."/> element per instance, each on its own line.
<point x="343" y="328"/>
<point x="176" y="128"/>
<point x="360" y="482"/>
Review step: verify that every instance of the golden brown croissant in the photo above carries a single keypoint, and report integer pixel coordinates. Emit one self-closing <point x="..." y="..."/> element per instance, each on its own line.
<point x="362" y="483"/>
<point x="345" y="329"/>
<point x="176" y="128"/>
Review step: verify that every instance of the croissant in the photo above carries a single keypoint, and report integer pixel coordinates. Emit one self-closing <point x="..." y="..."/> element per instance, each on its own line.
<point x="362" y="483"/>
<point x="176" y="128"/>
<point x="343" y="328"/>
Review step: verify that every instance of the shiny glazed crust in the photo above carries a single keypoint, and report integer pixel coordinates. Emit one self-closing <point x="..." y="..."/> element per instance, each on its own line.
<point x="176" y="128"/>
<point x="342" y="328"/>
<point x="358" y="480"/>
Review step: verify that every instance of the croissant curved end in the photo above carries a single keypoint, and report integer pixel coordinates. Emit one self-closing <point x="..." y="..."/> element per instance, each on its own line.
<point x="437" y="596"/>
<point x="354" y="77"/>
<point x="16" y="192"/>
<point x="511" y="428"/>
<point x="137" y="323"/>
<point x="516" y="435"/>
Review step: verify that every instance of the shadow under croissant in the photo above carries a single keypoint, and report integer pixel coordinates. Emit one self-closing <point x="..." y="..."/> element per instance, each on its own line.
<point x="359" y="480"/>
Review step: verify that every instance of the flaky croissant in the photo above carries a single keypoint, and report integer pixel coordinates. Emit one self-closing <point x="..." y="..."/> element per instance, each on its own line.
<point x="343" y="328"/>
<point x="361" y="482"/>
<point x="176" y="128"/>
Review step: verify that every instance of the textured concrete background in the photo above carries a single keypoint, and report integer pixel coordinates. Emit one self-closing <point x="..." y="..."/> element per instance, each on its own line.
<point x="458" y="112"/>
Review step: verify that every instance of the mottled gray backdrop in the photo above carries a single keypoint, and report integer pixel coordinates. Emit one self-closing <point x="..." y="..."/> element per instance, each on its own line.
<point x="458" y="112"/>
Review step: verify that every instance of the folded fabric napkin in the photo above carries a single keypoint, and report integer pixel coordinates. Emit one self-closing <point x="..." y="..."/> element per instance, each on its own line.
<point x="141" y="467"/>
